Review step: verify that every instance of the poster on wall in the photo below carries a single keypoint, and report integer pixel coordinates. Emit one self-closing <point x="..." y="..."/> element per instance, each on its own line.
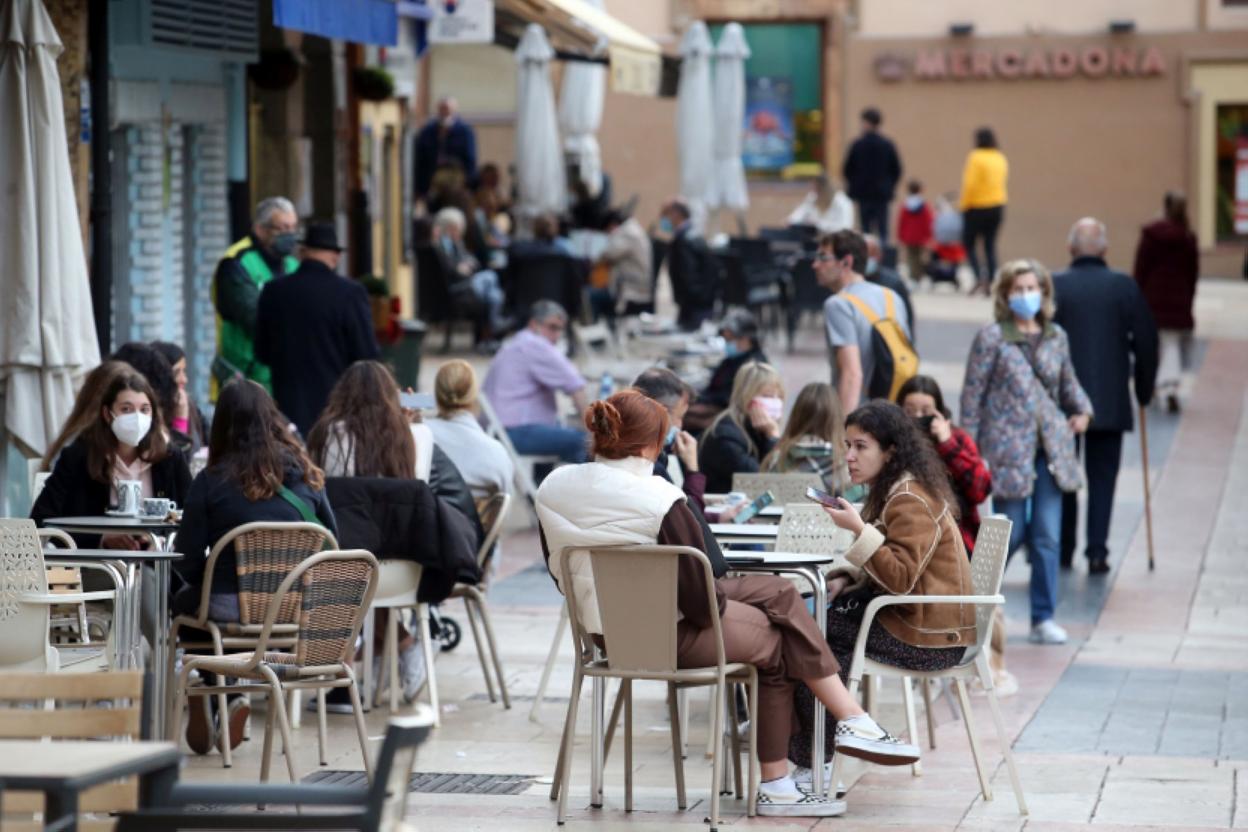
<point x="768" y="143"/>
<point x="462" y="21"/>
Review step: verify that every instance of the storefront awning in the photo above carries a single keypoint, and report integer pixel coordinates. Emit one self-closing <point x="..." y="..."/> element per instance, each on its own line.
<point x="577" y="27"/>
<point x="374" y="22"/>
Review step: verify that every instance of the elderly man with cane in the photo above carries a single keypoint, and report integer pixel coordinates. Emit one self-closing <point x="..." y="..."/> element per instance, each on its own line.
<point x="1112" y="339"/>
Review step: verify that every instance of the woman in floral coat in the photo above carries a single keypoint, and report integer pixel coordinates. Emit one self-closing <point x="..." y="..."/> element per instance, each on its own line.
<point x="1023" y="405"/>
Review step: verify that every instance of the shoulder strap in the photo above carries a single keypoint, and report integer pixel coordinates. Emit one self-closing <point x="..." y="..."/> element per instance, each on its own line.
<point x="863" y="307"/>
<point x="1035" y="371"/>
<point x="300" y="504"/>
<point x="888" y="305"/>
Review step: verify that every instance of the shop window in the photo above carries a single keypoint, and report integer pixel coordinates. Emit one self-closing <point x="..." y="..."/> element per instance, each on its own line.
<point x="783" y="99"/>
<point x="1232" y="173"/>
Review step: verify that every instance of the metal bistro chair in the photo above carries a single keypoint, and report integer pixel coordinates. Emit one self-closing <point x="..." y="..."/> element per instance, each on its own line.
<point x="807" y="528"/>
<point x="987" y="569"/>
<point x="379" y="807"/>
<point x="635" y="587"/>
<point x="325" y="598"/>
<point x="264" y="554"/>
<point x="523" y="465"/>
<point x="787" y="488"/>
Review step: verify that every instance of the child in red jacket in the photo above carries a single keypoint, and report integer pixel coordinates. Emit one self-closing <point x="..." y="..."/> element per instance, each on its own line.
<point x="914" y="228"/>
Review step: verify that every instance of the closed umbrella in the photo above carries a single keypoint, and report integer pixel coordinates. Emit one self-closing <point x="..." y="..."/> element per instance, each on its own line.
<point x="581" y="98"/>
<point x="728" y="176"/>
<point x="694" y="140"/>
<point x="47" y="332"/>
<point x="540" y="182"/>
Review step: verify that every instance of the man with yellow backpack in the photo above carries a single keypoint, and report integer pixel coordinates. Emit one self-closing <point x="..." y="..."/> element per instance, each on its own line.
<point x="868" y="329"/>
<point x="267" y="252"/>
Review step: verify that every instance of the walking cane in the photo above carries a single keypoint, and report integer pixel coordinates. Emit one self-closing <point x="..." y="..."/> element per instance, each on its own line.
<point x="1148" y="507"/>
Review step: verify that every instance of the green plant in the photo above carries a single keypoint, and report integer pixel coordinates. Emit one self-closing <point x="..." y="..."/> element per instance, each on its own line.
<point x="372" y="83"/>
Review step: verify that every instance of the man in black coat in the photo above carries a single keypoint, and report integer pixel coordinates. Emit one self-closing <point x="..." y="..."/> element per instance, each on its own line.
<point x="1112" y="338"/>
<point x="691" y="266"/>
<point x="444" y="140"/>
<point x="310" y="326"/>
<point x="871" y="171"/>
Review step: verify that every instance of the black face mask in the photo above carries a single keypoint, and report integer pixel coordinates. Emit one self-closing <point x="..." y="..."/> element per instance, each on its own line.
<point x="283" y="244"/>
<point x="925" y="424"/>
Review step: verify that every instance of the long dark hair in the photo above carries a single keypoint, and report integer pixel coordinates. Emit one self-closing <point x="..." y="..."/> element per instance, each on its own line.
<point x="985" y="138"/>
<point x="911" y="453"/>
<point x="252" y="445"/>
<point x="158" y="370"/>
<point x="173" y="354"/>
<point x="86" y="407"/>
<point x="98" y="435"/>
<point x="364" y="410"/>
<point x="925" y="385"/>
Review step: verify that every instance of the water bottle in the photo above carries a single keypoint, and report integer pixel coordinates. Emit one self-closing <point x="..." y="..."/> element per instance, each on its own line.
<point x="606" y="387"/>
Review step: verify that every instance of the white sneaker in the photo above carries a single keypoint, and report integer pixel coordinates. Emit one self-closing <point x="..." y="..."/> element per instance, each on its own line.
<point x="412" y="670"/>
<point x="805" y="780"/>
<point x="796" y="804"/>
<point x="862" y="737"/>
<point x="1004" y="684"/>
<point x="1047" y="632"/>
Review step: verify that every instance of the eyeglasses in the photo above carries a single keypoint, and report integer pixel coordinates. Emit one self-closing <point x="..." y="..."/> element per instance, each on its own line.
<point x="825" y="257"/>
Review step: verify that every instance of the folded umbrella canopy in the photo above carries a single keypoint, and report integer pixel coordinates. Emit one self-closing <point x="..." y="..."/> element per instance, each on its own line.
<point x="728" y="177"/>
<point x="540" y="182"/>
<point x="47" y="332"/>
<point x="581" y="97"/>
<point x="694" y="139"/>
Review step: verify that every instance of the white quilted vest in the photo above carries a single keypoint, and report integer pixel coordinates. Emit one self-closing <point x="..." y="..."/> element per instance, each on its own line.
<point x="602" y="503"/>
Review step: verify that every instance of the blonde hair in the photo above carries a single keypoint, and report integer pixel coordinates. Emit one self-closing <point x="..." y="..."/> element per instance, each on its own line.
<point x="751" y="379"/>
<point x="816" y="412"/>
<point x="1004" y="284"/>
<point x="455" y="387"/>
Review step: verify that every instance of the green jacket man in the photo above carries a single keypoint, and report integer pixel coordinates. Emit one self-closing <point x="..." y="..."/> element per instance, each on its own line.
<point x="248" y="265"/>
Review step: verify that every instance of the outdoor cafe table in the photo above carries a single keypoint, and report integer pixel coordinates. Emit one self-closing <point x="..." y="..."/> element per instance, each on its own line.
<point x="746" y="533"/>
<point x="61" y="770"/>
<point x="809" y="568"/>
<point x="129" y="563"/>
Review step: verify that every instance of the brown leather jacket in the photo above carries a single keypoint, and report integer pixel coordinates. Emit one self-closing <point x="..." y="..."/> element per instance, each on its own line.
<point x="915" y="548"/>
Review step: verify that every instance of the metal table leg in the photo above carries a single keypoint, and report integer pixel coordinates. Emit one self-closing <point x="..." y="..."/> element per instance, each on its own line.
<point x="821" y="619"/>
<point x="598" y="687"/>
<point x="160" y="650"/>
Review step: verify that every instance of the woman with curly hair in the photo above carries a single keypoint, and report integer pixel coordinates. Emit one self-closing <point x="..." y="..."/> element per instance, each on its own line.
<point x="907" y="542"/>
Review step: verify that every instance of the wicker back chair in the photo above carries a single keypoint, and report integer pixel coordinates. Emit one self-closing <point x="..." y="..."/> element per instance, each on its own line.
<point x="329" y="593"/>
<point x="265" y="554"/>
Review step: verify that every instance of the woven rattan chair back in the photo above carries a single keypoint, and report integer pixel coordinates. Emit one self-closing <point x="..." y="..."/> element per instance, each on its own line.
<point x="808" y="529"/>
<point x="334" y="590"/>
<point x="493" y="513"/>
<point x="787" y="488"/>
<point x="264" y="554"/>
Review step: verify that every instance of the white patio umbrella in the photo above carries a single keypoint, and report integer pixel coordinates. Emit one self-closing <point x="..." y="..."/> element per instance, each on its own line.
<point x="581" y="96"/>
<point x="540" y="181"/>
<point x="694" y="140"/>
<point x="728" y="177"/>
<point x="47" y="332"/>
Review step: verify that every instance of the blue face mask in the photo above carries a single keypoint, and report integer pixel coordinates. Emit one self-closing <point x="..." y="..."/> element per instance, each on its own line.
<point x="731" y="350"/>
<point x="665" y="225"/>
<point x="1026" y="305"/>
<point x="672" y="432"/>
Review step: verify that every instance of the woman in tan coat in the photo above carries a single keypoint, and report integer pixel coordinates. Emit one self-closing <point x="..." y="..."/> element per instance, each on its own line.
<point x="907" y="543"/>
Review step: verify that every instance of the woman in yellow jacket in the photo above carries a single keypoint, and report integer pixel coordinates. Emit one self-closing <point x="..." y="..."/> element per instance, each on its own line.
<point x="983" y="203"/>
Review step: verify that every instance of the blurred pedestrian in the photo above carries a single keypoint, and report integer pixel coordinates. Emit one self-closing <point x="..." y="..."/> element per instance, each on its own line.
<point x="742" y="345"/>
<point x="460" y="265"/>
<point x="1167" y="265"/>
<point x="444" y="138"/>
<point x="1112" y="339"/>
<point x="1023" y="405"/>
<point x="267" y="252"/>
<point x="914" y="229"/>
<point x="691" y="267"/>
<point x="872" y="170"/>
<point x="311" y="326"/>
<point x="885" y="276"/>
<point x="629" y="256"/>
<point x="983" y="204"/>
<point x="826" y="208"/>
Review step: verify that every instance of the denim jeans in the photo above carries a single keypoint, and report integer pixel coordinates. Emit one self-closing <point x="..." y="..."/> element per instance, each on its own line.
<point x="485" y="287"/>
<point x="1038" y="521"/>
<point x="549" y="440"/>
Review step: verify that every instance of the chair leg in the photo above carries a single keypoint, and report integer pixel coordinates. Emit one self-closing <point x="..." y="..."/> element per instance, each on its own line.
<point x="173" y="706"/>
<point x="926" y="688"/>
<point x="358" y="711"/>
<point x="912" y="730"/>
<point x="626" y="691"/>
<point x="392" y="658"/>
<point x="294" y="707"/>
<point x="266" y="753"/>
<point x="321" y="727"/>
<point x="488" y="626"/>
<point x="678" y="755"/>
<point x="965" y="702"/>
<point x="838" y="760"/>
<point x="370" y="681"/>
<point x="734" y="731"/>
<point x="569" y="736"/>
<point x="717" y="761"/>
<point x="613" y="722"/>
<point x="711" y="738"/>
<point x="752" y="806"/>
<point x="479" y="641"/>
<point x="551" y="658"/>
<point x="682" y="703"/>
<point x="985" y="677"/>
<point x="431" y="677"/>
<point x="559" y="761"/>
<point x="277" y="700"/>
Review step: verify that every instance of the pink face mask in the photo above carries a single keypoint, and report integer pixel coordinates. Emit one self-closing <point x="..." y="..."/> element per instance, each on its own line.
<point x="773" y="406"/>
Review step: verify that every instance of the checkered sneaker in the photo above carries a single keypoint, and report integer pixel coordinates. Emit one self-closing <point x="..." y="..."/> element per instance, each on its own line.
<point x="798" y="804"/>
<point x="862" y="737"/>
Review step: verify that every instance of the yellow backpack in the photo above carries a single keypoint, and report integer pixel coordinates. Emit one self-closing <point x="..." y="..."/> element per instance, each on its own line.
<point x="896" y="362"/>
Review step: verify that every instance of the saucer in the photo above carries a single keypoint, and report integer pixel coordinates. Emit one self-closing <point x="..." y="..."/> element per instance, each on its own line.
<point x="112" y="512"/>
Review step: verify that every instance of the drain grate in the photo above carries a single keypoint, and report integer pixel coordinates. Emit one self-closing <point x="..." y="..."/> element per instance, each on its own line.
<point x="518" y="697"/>
<point x="435" y="782"/>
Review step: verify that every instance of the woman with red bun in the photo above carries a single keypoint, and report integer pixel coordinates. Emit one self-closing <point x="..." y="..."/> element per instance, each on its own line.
<point x="616" y="499"/>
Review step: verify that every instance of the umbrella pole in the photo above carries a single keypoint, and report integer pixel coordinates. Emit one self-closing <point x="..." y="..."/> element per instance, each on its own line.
<point x="1148" y="502"/>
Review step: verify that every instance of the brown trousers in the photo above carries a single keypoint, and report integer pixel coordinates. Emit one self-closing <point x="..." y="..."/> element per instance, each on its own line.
<point x="766" y="624"/>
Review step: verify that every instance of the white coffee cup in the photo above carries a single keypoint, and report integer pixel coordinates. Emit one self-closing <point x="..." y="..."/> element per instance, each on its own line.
<point x="129" y="497"/>
<point x="158" y="506"/>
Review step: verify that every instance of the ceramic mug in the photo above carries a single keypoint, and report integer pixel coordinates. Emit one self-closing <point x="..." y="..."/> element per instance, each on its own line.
<point x="158" y="507"/>
<point x="129" y="497"/>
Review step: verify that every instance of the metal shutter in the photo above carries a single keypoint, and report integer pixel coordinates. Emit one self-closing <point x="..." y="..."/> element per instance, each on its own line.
<point x="207" y="25"/>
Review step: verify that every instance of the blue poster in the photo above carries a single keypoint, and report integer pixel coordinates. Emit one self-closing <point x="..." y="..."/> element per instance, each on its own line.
<point x="769" y="134"/>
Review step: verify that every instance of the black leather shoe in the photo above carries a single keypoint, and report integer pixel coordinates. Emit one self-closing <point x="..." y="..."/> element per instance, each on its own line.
<point x="1099" y="566"/>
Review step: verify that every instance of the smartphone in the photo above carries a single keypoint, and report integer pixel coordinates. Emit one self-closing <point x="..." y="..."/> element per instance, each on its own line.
<point x="823" y="497"/>
<point x="925" y="423"/>
<point x="416" y="401"/>
<point x="747" y="514"/>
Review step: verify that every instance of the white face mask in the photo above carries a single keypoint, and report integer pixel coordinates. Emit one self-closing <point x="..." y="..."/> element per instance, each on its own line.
<point x="131" y="428"/>
<point x="773" y="406"/>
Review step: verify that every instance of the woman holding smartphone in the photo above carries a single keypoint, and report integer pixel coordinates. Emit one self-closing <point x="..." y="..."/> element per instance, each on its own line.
<point x="906" y="543"/>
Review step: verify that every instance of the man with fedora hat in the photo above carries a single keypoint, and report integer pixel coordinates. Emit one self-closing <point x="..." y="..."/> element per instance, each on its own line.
<point x="310" y="326"/>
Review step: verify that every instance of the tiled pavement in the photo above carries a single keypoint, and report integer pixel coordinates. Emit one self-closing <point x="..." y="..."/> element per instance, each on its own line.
<point x="1141" y="722"/>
